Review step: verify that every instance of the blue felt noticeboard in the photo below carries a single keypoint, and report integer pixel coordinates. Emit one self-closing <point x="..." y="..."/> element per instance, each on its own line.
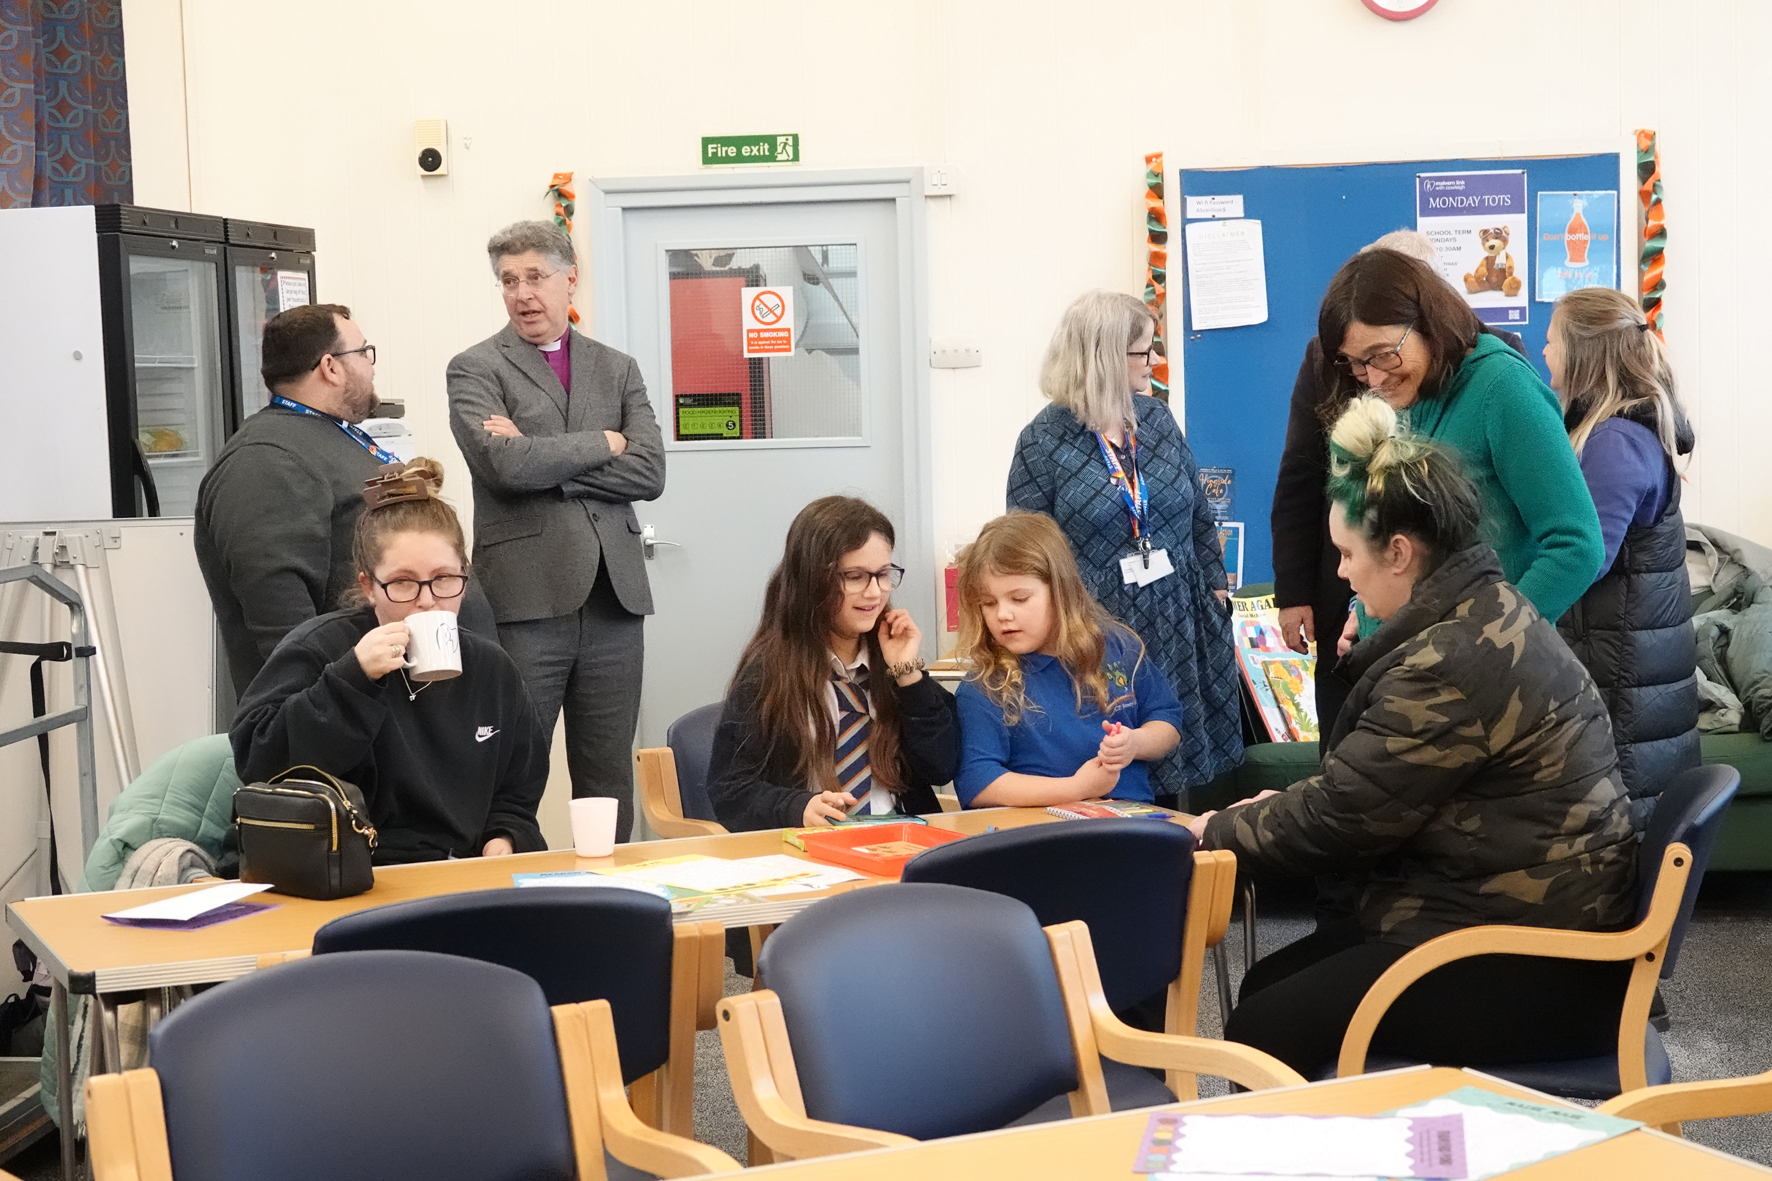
<point x="1239" y="380"/>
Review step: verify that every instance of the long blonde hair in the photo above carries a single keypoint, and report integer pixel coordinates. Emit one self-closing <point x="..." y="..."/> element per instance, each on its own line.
<point x="1614" y="365"/>
<point x="1031" y="544"/>
<point x="1085" y="366"/>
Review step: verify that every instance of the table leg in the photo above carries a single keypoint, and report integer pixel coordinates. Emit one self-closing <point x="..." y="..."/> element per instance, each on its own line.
<point x="64" y="1077"/>
<point x="1248" y="925"/>
<point x="1221" y="969"/>
<point x="108" y="1035"/>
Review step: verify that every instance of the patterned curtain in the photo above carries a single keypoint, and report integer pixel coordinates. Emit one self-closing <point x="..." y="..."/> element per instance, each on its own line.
<point x="64" y="109"/>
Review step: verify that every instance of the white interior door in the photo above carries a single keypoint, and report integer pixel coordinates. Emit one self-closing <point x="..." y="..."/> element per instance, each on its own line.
<point x="749" y="441"/>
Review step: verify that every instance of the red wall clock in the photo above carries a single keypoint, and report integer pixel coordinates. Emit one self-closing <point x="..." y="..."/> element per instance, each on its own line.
<point x="1399" y="10"/>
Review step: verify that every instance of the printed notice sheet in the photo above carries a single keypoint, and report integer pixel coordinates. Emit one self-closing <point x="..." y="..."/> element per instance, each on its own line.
<point x="1226" y="274"/>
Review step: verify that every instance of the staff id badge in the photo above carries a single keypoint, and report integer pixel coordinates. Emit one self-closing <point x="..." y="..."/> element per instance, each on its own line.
<point x="1134" y="571"/>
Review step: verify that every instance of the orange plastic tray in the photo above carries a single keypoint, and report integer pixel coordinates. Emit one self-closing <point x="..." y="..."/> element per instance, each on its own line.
<point x="877" y="849"/>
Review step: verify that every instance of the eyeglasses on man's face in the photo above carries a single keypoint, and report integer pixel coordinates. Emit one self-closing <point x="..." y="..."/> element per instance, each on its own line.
<point x="1384" y="361"/>
<point x="511" y="282"/>
<point x="367" y="350"/>
<point x="856" y="581"/>
<point x="405" y="590"/>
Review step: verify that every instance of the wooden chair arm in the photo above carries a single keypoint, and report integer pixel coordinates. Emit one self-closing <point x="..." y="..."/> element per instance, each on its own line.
<point x="761" y="1067"/>
<point x="1220" y="867"/>
<point x="126" y="1127"/>
<point x="1646" y="939"/>
<point x="1678" y="1102"/>
<point x="661" y="799"/>
<point x="598" y="1106"/>
<point x="1073" y="954"/>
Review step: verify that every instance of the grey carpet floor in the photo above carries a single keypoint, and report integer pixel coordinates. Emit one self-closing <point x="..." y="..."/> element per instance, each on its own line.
<point x="1720" y="1002"/>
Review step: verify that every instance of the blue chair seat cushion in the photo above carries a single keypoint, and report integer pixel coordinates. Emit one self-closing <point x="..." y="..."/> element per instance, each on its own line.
<point x="1128" y="1087"/>
<point x="1593" y="1078"/>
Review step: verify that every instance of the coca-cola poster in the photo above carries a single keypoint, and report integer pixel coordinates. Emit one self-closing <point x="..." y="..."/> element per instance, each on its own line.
<point x="1577" y="242"/>
<point x="1479" y="226"/>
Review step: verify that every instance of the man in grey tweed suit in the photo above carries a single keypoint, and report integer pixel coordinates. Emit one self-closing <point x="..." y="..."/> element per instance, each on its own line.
<point x="561" y="440"/>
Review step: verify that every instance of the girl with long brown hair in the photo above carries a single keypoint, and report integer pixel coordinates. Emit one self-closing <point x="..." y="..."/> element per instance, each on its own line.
<point x="1063" y="703"/>
<point x="830" y="713"/>
<point x="449" y="767"/>
<point x="1633" y="627"/>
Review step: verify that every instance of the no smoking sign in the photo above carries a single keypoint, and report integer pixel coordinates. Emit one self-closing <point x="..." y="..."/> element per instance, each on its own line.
<point x="768" y="314"/>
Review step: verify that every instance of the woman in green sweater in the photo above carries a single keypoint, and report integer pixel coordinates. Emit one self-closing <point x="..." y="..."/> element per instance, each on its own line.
<point x="1390" y="324"/>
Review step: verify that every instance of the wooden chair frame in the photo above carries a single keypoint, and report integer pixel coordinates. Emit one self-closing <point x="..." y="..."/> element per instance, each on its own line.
<point x="1645" y="943"/>
<point x="766" y="1083"/>
<point x="664" y="1099"/>
<point x="126" y="1117"/>
<point x="1674" y="1103"/>
<point x="661" y="798"/>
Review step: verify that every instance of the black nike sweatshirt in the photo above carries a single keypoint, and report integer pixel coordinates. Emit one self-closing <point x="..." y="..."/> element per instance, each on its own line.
<point x="442" y="773"/>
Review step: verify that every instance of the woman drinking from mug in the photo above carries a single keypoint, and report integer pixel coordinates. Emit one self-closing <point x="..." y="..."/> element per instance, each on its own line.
<point x="449" y="767"/>
<point x="830" y="713"/>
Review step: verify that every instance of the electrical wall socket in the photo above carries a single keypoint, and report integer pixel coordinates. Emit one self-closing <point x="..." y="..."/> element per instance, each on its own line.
<point x="955" y="352"/>
<point x="940" y="180"/>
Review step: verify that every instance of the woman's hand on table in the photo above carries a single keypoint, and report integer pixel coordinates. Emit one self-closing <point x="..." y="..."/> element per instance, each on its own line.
<point x="1197" y="826"/>
<point x="498" y="847"/>
<point x="383" y="649"/>
<point x="825" y="807"/>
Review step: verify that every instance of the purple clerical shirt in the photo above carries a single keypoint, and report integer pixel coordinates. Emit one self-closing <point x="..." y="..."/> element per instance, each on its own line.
<point x="560" y="360"/>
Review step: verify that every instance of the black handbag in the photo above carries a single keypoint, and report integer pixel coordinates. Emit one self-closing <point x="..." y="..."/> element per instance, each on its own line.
<point x="306" y="833"/>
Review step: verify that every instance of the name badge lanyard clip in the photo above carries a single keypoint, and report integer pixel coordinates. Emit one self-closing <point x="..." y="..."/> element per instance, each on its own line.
<point x="1131" y="488"/>
<point x="356" y="433"/>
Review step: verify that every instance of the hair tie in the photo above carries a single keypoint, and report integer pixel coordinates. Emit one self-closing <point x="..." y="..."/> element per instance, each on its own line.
<point x="398" y="482"/>
<point x="1645" y="326"/>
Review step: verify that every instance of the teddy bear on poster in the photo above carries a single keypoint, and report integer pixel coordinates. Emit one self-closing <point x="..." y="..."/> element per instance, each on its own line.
<point x="1496" y="271"/>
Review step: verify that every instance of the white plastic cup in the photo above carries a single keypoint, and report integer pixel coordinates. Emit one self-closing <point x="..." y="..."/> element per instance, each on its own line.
<point x="433" y="653"/>
<point x="593" y="825"/>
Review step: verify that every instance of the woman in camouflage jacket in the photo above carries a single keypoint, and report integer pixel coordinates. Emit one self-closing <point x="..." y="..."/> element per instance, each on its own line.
<point x="1470" y="779"/>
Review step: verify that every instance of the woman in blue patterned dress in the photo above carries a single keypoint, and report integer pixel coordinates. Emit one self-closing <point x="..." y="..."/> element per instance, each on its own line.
<point x="1109" y="464"/>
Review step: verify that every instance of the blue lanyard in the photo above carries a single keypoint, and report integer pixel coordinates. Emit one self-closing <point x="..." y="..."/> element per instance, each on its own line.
<point x="1131" y="487"/>
<point x="357" y="434"/>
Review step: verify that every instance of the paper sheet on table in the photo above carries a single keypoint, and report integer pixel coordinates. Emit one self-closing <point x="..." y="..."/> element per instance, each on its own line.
<point x="1295" y="1146"/>
<point x="1502" y="1133"/>
<point x="715" y="875"/>
<point x="1226" y="273"/>
<point x="188" y="906"/>
<point x="583" y="877"/>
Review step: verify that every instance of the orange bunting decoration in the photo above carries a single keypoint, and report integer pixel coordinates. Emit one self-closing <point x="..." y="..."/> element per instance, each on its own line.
<point x="565" y="205"/>
<point x="1156" y="272"/>
<point x="1652" y="261"/>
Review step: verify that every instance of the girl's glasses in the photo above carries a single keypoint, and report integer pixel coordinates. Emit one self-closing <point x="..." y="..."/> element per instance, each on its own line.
<point x="856" y="581"/>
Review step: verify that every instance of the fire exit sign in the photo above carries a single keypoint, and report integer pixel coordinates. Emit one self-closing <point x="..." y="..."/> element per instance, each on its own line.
<point x="750" y="149"/>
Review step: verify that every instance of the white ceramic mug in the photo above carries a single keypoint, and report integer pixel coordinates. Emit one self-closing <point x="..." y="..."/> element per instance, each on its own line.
<point x="434" y="651"/>
<point x="593" y="825"/>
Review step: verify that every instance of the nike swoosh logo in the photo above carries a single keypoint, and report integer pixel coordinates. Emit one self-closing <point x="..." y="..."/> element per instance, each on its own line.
<point x="484" y="733"/>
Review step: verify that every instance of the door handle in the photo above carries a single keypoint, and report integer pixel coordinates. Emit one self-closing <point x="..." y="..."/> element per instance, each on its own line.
<point x="650" y="541"/>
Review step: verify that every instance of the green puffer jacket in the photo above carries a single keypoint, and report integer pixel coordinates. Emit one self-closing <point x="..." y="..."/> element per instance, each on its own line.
<point x="1471" y="777"/>
<point x="188" y="793"/>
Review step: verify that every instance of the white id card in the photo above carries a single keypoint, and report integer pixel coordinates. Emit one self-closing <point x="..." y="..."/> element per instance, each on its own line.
<point x="1133" y="571"/>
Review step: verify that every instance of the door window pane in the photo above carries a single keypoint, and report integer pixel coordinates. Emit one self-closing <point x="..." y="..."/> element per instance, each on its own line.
<point x="720" y="395"/>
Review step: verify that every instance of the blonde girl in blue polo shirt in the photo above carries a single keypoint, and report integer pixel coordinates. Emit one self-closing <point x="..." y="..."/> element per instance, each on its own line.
<point x="1062" y="703"/>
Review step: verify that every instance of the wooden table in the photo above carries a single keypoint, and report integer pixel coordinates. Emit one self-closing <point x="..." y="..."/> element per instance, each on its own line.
<point x="1103" y="1146"/>
<point x="89" y="956"/>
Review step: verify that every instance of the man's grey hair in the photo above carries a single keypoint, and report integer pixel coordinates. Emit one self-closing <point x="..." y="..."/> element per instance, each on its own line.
<point x="1414" y="243"/>
<point x="545" y="238"/>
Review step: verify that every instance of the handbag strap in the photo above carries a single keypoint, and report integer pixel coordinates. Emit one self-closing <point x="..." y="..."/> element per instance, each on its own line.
<point x="359" y="823"/>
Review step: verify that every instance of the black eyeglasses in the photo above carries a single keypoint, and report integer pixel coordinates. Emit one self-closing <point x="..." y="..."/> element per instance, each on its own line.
<point x="367" y="350"/>
<point x="1144" y="355"/>
<point x="1383" y="361"/>
<point x="405" y="590"/>
<point x="856" y="581"/>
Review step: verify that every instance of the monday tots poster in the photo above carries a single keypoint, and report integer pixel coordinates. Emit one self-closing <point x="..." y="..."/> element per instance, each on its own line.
<point x="1477" y="223"/>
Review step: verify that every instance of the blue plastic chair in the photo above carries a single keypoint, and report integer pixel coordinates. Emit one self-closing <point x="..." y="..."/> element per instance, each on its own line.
<point x="673" y="778"/>
<point x="368" y="1066"/>
<point x="1129" y="882"/>
<point x="1670" y="868"/>
<point x="578" y="944"/>
<point x="927" y="1010"/>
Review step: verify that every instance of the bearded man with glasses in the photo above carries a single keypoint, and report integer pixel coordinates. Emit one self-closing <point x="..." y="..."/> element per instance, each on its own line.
<point x="276" y="513"/>
<point x="560" y="438"/>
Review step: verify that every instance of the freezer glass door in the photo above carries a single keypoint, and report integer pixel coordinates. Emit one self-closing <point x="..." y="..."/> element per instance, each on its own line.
<point x="175" y="317"/>
<point x="263" y="286"/>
